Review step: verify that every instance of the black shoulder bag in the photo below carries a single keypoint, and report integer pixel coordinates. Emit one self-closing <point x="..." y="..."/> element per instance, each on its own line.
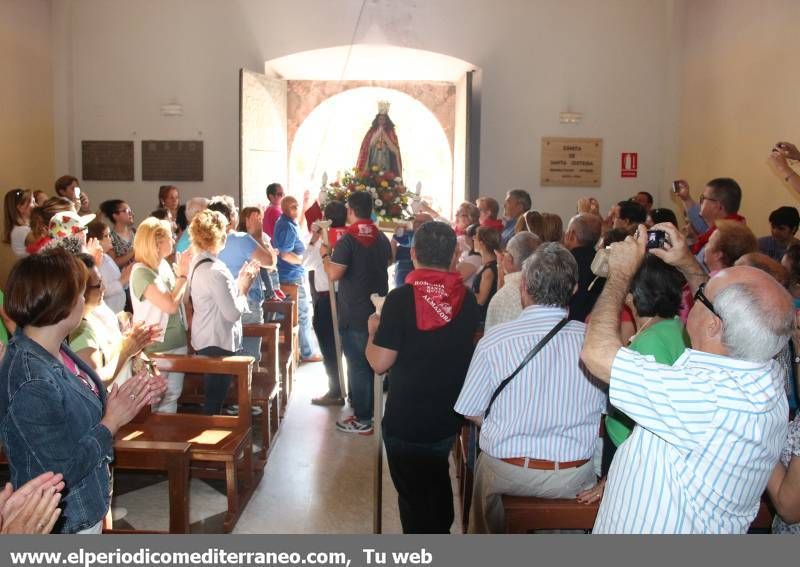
<point x="526" y="360"/>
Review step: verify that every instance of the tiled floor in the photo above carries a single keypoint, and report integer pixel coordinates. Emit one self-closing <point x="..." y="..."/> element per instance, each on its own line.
<point x="317" y="480"/>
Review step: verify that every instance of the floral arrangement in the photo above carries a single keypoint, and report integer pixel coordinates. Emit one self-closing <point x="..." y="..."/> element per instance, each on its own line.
<point x="391" y="199"/>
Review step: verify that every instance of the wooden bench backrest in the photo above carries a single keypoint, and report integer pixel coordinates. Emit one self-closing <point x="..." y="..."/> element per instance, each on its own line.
<point x="240" y="367"/>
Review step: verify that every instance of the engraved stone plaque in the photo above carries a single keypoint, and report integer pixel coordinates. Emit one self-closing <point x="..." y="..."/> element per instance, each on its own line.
<point x="107" y="160"/>
<point x="172" y="160"/>
<point x="572" y="162"/>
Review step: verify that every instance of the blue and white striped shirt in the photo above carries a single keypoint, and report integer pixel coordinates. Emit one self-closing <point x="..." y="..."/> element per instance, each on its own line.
<point x="551" y="409"/>
<point x="709" y="432"/>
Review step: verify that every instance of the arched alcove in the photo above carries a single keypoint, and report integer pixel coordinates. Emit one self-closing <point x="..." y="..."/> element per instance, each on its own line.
<point x="326" y="100"/>
<point x="328" y="140"/>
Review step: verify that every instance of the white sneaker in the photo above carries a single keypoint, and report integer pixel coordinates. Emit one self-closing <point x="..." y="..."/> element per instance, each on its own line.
<point x="352" y="425"/>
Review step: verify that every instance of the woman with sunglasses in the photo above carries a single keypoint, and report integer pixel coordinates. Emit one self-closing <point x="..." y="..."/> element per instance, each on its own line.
<point x="18" y="205"/>
<point x="97" y="340"/>
<point x="115" y="280"/>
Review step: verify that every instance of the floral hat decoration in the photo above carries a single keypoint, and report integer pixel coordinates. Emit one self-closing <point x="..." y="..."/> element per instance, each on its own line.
<point x="68" y="223"/>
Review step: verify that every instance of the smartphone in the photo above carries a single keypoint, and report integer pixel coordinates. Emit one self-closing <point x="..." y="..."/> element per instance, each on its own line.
<point x="676" y="185"/>
<point x="656" y="239"/>
<point x="77" y="192"/>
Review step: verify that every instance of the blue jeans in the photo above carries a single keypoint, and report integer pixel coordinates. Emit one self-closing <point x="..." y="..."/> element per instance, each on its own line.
<point x="216" y="385"/>
<point x="252" y="345"/>
<point x="360" y="377"/>
<point x="307" y="341"/>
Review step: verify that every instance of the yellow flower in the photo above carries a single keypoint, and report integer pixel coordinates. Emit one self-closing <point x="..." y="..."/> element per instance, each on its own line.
<point x="384" y="183"/>
<point x="374" y="168"/>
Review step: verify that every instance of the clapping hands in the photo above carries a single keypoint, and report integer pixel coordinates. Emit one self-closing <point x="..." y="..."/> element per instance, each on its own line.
<point x="33" y="508"/>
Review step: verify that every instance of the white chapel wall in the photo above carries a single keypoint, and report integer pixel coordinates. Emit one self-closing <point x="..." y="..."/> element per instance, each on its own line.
<point x="610" y="60"/>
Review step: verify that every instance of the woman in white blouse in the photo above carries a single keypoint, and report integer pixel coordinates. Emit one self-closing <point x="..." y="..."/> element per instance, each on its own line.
<point x="218" y="301"/>
<point x="115" y="281"/>
<point x="17" y="211"/>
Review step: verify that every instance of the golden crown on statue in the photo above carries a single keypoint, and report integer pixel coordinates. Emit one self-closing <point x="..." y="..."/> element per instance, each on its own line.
<point x="383" y="106"/>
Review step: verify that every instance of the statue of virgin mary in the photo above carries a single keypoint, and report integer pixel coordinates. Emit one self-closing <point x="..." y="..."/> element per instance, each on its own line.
<point x="380" y="146"/>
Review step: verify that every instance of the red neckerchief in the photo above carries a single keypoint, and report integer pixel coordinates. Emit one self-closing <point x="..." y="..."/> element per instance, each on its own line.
<point x="334" y="234"/>
<point x="702" y="240"/>
<point x="34" y="247"/>
<point x="438" y="297"/>
<point x="496" y="224"/>
<point x="364" y="231"/>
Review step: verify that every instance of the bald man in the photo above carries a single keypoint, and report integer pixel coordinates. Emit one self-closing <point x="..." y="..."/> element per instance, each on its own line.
<point x="286" y="239"/>
<point x="710" y="428"/>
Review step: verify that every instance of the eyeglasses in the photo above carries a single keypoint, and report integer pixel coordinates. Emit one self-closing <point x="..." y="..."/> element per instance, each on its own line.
<point x="704" y="198"/>
<point x="701" y="297"/>
<point x="124" y="211"/>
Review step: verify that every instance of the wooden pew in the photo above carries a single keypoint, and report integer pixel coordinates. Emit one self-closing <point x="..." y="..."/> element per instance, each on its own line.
<point x="159" y="456"/>
<point x="265" y="387"/>
<point x="527" y="514"/>
<point x="288" y="346"/>
<point x="215" y="440"/>
<point x="170" y="457"/>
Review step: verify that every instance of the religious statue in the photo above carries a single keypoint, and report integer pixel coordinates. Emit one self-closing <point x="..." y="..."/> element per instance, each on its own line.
<point x="380" y="146"/>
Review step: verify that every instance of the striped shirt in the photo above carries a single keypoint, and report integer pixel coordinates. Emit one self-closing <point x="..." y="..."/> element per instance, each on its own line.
<point x="551" y="409"/>
<point x="709" y="432"/>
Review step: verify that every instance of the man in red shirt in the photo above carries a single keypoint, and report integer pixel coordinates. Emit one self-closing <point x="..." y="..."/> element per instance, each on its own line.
<point x="273" y="212"/>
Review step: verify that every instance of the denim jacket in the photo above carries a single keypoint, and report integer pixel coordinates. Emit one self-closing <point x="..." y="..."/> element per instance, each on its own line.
<point x="50" y="421"/>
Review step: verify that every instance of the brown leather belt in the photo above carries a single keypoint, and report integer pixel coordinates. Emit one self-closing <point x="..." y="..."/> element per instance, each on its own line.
<point x="543" y="465"/>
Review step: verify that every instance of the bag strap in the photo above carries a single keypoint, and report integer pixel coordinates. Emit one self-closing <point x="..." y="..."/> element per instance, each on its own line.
<point x="189" y="283"/>
<point x="526" y="360"/>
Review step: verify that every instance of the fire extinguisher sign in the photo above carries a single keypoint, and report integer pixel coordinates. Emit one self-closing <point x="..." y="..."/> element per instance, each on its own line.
<point x="629" y="164"/>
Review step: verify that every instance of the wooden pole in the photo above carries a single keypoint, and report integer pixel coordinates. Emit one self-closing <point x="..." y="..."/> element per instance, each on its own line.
<point x="337" y="339"/>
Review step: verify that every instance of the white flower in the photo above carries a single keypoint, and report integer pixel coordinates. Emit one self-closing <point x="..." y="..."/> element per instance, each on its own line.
<point x="378" y="202"/>
<point x="383" y="211"/>
<point x="381" y="172"/>
<point x="398" y="179"/>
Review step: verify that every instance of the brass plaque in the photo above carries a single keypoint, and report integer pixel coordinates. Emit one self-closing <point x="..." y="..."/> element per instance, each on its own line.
<point x="572" y="162"/>
<point x="107" y="160"/>
<point x="172" y="160"/>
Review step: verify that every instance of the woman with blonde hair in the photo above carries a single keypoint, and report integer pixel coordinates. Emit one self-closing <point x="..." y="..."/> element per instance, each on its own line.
<point x="156" y="294"/>
<point x="218" y="301"/>
<point x="18" y="204"/>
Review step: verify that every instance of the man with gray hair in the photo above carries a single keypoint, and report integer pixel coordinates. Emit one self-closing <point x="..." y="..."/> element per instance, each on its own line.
<point x="583" y="232"/>
<point x="506" y="304"/>
<point x="710" y="428"/>
<point x="539" y="437"/>
<point x="517" y="203"/>
<point x="193" y="206"/>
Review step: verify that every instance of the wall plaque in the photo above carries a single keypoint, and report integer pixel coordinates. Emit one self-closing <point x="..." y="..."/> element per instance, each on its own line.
<point x="107" y="160"/>
<point x="172" y="160"/>
<point x="572" y="162"/>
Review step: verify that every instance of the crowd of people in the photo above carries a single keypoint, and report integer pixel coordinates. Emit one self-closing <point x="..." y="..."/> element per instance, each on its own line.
<point x="612" y="358"/>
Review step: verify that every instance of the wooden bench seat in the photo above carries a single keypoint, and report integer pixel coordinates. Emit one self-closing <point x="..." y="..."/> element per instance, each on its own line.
<point x="527" y="514"/>
<point x="220" y="446"/>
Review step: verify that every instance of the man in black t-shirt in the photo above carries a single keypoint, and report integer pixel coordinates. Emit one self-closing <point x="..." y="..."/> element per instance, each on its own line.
<point x="359" y="263"/>
<point x="424" y="338"/>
